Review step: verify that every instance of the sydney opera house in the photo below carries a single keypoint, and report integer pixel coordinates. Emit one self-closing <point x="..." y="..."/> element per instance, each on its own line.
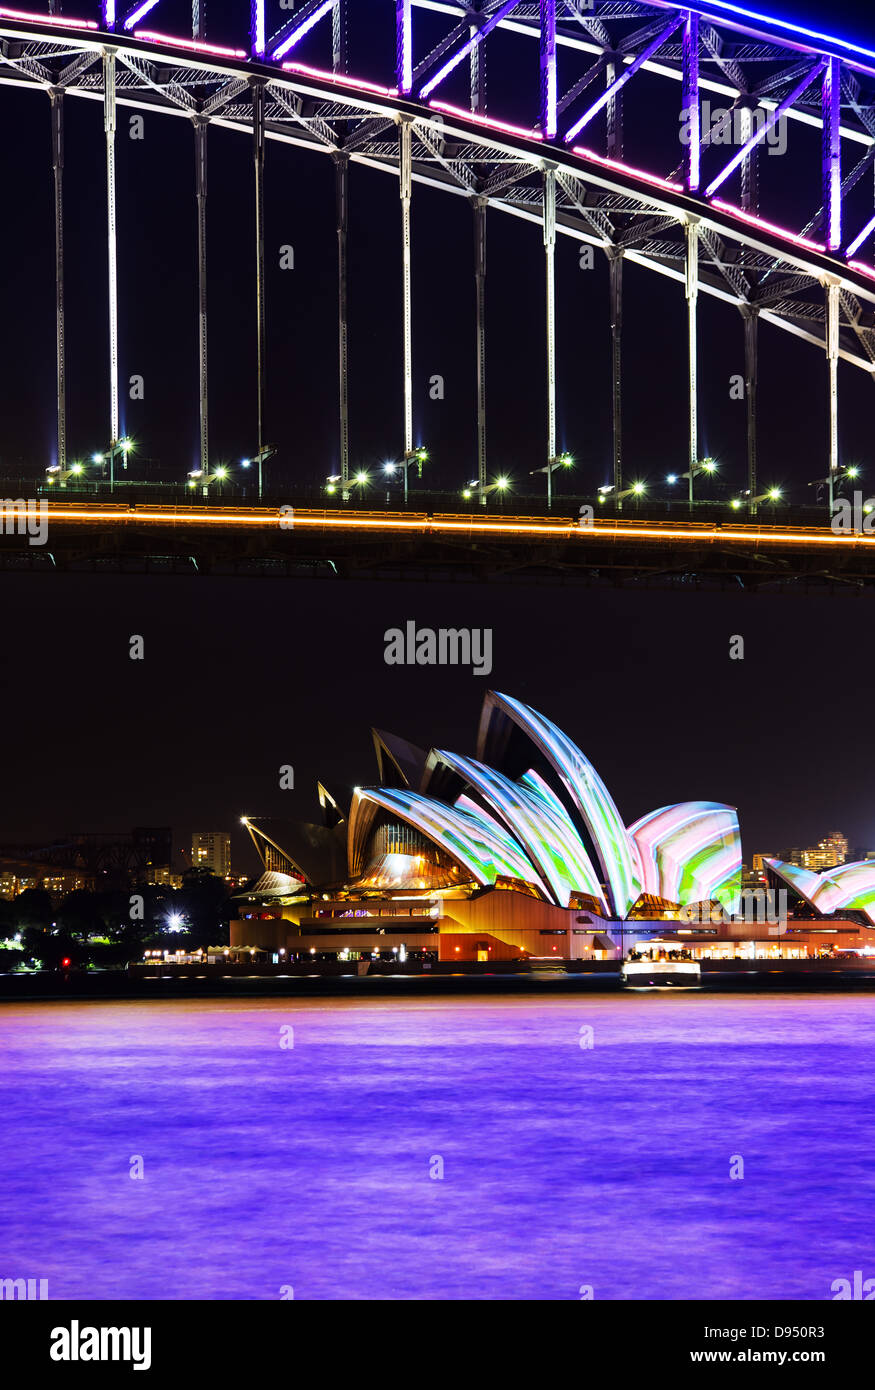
<point x="520" y="852"/>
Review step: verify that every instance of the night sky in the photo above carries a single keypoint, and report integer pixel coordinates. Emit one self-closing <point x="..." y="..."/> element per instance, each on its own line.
<point x="242" y="676"/>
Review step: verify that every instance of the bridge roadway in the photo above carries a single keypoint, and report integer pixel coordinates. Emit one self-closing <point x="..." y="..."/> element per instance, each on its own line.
<point x="113" y="537"/>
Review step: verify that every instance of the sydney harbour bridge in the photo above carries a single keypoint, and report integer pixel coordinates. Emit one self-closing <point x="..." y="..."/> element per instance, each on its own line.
<point x="710" y="212"/>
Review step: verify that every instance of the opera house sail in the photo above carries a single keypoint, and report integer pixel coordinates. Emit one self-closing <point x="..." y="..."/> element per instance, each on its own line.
<point x="517" y="849"/>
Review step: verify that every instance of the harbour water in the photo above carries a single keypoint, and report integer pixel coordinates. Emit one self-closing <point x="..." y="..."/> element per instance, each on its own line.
<point x="485" y="1148"/>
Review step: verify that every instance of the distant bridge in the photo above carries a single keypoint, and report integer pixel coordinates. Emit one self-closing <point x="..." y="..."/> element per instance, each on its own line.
<point x="96" y="855"/>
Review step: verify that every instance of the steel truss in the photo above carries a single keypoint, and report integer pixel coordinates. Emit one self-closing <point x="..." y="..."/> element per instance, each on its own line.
<point x="586" y="55"/>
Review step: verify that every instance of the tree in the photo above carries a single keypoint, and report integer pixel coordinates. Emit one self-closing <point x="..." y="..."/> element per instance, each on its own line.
<point x="33" y="908"/>
<point x="203" y="900"/>
<point x="79" y="914"/>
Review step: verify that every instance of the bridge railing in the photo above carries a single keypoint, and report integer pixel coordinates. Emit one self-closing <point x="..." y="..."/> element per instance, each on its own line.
<point x="578" y="508"/>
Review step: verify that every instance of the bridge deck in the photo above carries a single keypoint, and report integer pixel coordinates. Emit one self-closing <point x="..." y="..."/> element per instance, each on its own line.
<point x="265" y="540"/>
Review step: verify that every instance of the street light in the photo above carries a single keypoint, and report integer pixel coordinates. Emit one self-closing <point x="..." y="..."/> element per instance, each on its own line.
<point x="118" y="446"/>
<point x="637" y="489"/>
<point x="198" y="477"/>
<point x="57" y="474"/>
<point x="833" y="480"/>
<point x="706" y="465"/>
<point x="561" y="461"/>
<point x="500" y="484"/>
<point x="264" y="453"/>
<point x="419" y="456"/>
<point x="772" y="494"/>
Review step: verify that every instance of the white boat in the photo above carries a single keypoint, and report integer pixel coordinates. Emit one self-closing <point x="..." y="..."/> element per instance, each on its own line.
<point x="655" y="974"/>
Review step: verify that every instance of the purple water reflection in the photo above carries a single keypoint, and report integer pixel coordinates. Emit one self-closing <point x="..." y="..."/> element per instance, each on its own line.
<point x="309" y="1167"/>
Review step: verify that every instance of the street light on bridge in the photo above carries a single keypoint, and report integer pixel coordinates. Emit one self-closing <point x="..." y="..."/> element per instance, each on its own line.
<point x="121" y="447"/>
<point x="773" y="494"/>
<point x="561" y="461"/>
<point x="417" y="457"/>
<point x="500" y="484"/>
<point x="637" y="489"/>
<point x="57" y="474"/>
<point x="260" y="458"/>
<point x="200" y="477"/>
<point x="361" y="479"/>
<point x="833" y="480"/>
<point x="708" y="466"/>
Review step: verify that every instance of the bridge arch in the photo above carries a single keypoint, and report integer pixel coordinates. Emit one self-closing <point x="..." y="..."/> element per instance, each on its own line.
<point x="812" y="283"/>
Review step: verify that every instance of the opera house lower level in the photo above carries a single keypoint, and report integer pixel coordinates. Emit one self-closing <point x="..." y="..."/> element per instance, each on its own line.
<point x="520" y="853"/>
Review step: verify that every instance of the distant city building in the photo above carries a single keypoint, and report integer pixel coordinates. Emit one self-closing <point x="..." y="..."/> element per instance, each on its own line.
<point x="58" y="884"/>
<point x="163" y="878"/>
<point x="826" y="855"/>
<point x="755" y="876"/>
<point x="8" y="885"/>
<point x="859" y="853"/>
<point x="211" y="849"/>
<point x="11" y="884"/>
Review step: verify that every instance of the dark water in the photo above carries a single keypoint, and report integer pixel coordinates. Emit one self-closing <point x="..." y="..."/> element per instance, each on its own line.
<point x="563" y="1166"/>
